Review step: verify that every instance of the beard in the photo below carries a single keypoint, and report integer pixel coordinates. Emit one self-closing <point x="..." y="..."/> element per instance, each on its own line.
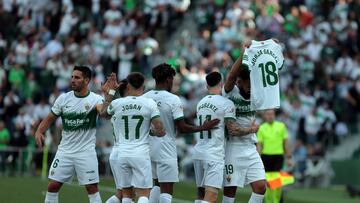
<point x="77" y="88"/>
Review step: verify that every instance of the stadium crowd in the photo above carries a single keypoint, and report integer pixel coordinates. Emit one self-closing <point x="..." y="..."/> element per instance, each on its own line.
<point x="41" y="40"/>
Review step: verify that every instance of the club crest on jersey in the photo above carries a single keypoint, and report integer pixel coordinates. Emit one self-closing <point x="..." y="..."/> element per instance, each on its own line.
<point x="228" y="179"/>
<point x="87" y="106"/>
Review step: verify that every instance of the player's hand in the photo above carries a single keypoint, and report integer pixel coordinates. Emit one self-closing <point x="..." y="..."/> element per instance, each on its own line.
<point x="247" y="45"/>
<point x="254" y="127"/>
<point x="210" y="124"/>
<point x="111" y="83"/>
<point x="39" y="138"/>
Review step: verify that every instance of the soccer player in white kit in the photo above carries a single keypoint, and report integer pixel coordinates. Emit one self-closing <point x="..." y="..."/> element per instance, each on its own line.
<point x="132" y="117"/>
<point x="243" y="164"/>
<point x="209" y="152"/>
<point x="163" y="151"/>
<point x="78" y="109"/>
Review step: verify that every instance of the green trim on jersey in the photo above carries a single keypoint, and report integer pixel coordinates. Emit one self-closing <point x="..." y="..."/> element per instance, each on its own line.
<point x="242" y="107"/>
<point x="79" y="121"/>
<point x="54" y="113"/>
<point x="282" y="65"/>
<point x="157" y="116"/>
<point x="180" y="118"/>
<point x="82" y="96"/>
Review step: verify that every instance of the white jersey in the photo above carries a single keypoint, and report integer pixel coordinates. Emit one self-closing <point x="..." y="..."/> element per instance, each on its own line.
<point x="170" y="107"/>
<point x="78" y="115"/>
<point x="244" y="117"/>
<point x="131" y="119"/>
<point x="210" y="146"/>
<point x="264" y="59"/>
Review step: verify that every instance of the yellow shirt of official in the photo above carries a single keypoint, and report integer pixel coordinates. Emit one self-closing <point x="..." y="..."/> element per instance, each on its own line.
<point x="272" y="137"/>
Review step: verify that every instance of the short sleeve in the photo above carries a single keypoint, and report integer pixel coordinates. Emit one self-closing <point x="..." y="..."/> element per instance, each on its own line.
<point x="99" y="99"/>
<point x="177" y="109"/>
<point x="246" y="60"/>
<point x="284" y="132"/>
<point x="229" y="94"/>
<point x="229" y="110"/>
<point x="154" y="110"/>
<point x="281" y="60"/>
<point x="56" y="109"/>
<point x="110" y="109"/>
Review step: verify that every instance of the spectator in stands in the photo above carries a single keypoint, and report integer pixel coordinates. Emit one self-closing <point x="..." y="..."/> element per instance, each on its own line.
<point x="4" y="141"/>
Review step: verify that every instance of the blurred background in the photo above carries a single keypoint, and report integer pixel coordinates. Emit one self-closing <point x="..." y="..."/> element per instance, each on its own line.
<point x="41" y="41"/>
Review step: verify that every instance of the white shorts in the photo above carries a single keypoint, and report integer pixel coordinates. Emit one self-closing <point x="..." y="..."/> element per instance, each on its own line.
<point x="84" y="164"/>
<point x="208" y="173"/>
<point x="165" y="171"/>
<point x="132" y="172"/>
<point x="244" y="169"/>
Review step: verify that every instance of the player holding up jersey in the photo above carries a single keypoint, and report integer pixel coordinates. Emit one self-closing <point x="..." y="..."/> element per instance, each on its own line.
<point x="76" y="153"/>
<point x="132" y="117"/>
<point x="163" y="151"/>
<point x="209" y="152"/>
<point x="243" y="164"/>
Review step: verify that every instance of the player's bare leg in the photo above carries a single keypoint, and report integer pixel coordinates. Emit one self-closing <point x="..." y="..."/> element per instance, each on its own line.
<point x="259" y="189"/>
<point x="143" y="195"/>
<point x="52" y="195"/>
<point x="211" y="194"/>
<point x="166" y="192"/>
<point x="154" y="196"/>
<point x="115" y="198"/>
<point x="229" y="194"/>
<point x="93" y="193"/>
<point x="200" y="194"/>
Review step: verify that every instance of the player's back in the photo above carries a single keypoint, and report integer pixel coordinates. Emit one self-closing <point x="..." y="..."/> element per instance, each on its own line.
<point x="131" y="119"/>
<point x="168" y="104"/>
<point x="210" y="146"/>
<point x="170" y="107"/>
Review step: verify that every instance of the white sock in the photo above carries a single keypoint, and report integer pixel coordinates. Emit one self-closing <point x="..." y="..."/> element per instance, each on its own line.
<point x="52" y="197"/>
<point x="197" y="201"/>
<point x="165" y="198"/>
<point x="126" y="200"/>
<point x="256" y="198"/>
<point x="143" y="199"/>
<point x="154" y="196"/>
<point x="228" y="199"/>
<point x="113" y="199"/>
<point x="95" y="198"/>
<point x="203" y="201"/>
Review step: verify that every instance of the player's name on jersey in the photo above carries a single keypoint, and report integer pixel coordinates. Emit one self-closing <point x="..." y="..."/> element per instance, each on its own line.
<point x="208" y="106"/>
<point x="131" y="107"/>
<point x="261" y="52"/>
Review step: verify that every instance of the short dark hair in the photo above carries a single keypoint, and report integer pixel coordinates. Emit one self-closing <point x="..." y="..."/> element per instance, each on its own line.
<point x="161" y="72"/>
<point x="136" y="79"/>
<point x="244" y="73"/>
<point x="213" y="78"/>
<point x="85" y="70"/>
<point x="122" y="87"/>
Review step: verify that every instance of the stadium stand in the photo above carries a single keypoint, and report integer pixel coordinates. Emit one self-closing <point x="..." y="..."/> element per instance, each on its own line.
<point x="41" y="40"/>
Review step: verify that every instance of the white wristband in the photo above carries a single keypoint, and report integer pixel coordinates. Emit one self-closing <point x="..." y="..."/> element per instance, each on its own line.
<point x="112" y="92"/>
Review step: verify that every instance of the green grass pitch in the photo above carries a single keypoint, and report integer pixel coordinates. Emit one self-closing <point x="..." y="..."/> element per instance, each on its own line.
<point x="26" y="189"/>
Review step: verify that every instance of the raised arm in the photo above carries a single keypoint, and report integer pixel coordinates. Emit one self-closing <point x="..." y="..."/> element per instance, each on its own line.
<point x="187" y="128"/>
<point x="158" y="127"/>
<point x="43" y="127"/>
<point x="234" y="72"/>
<point x="108" y="88"/>
<point x="235" y="130"/>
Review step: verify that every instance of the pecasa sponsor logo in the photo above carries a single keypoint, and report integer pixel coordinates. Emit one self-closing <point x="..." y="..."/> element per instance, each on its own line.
<point x="76" y="122"/>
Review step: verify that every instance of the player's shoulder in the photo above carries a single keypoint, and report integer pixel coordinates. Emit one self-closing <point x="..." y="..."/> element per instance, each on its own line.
<point x="96" y="96"/>
<point x="145" y="100"/>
